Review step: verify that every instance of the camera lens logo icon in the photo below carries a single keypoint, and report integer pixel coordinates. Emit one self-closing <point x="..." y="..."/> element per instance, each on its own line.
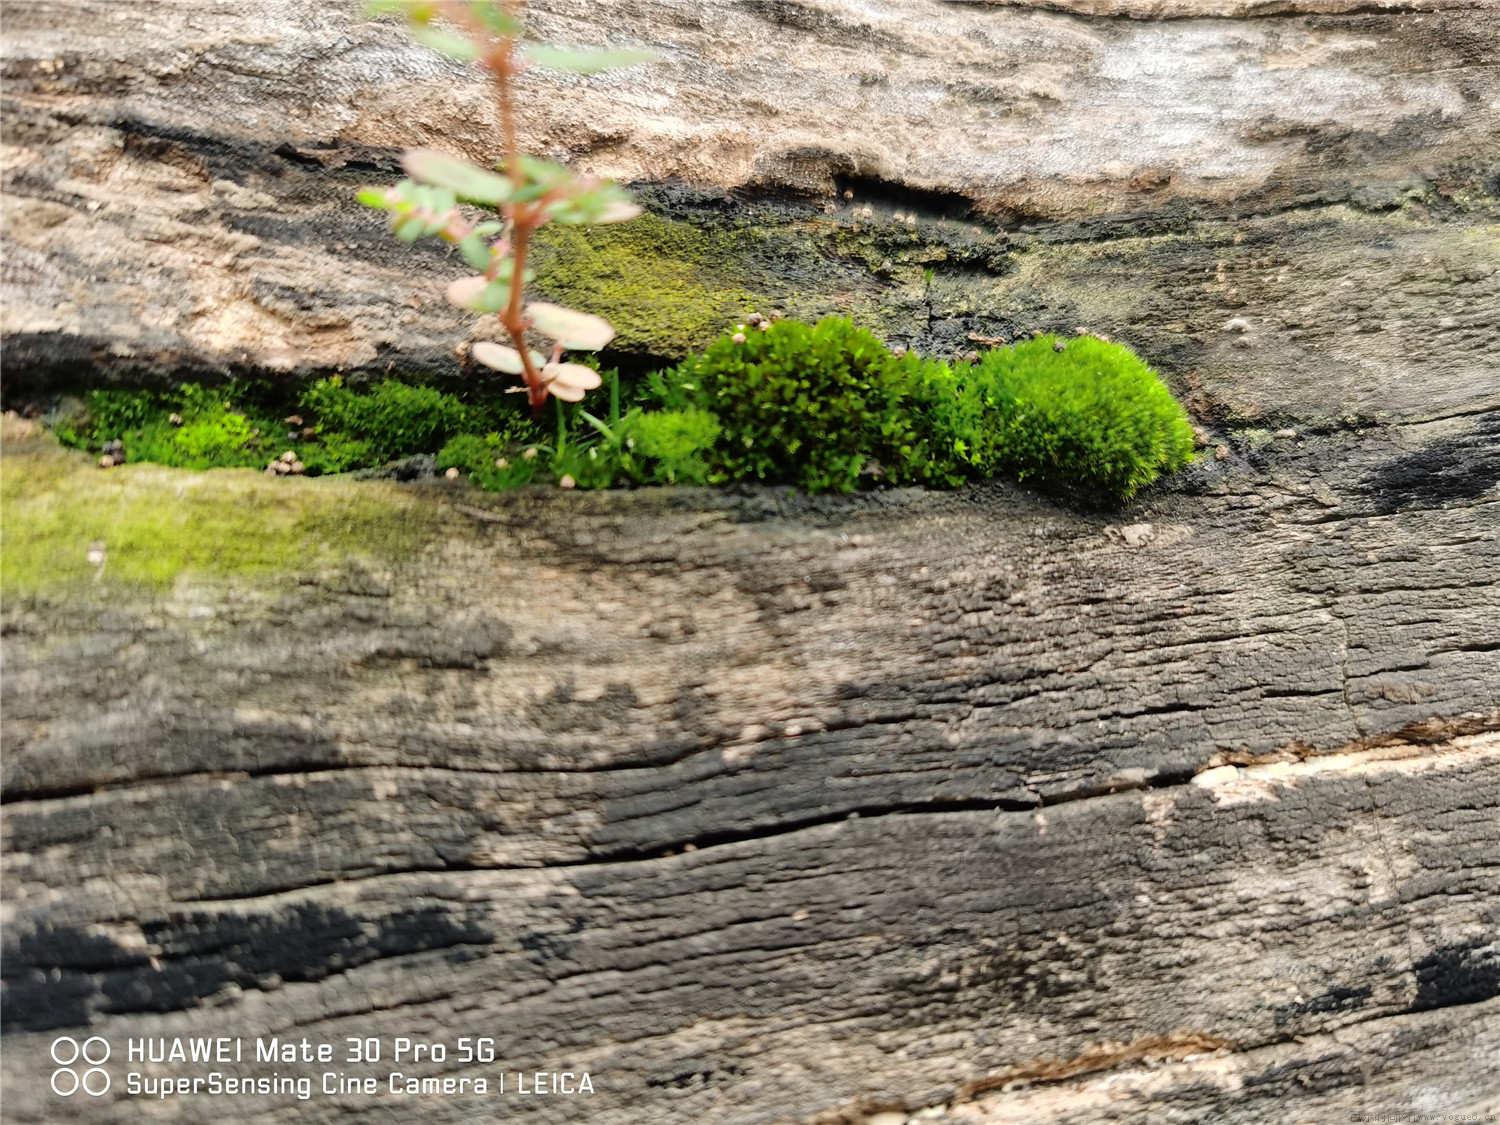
<point x="68" y="1078"/>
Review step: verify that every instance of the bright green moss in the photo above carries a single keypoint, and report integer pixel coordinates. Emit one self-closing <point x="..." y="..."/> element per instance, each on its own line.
<point x="490" y="460"/>
<point x="809" y="404"/>
<point x="827" y="407"/>
<point x="669" y="446"/>
<point x="390" y="420"/>
<point x="656" y="447"/>
<point x="1082" y="416"/>
<point x="231" y="426"/>
<point x="652" y="278"/>
<point x="193" y="427"/>
<point x="156" y="525"/>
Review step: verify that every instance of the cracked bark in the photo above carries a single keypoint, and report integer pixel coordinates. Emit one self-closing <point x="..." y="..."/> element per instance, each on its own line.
<point x="777" y="860"/>
<point x="784" y="808"/>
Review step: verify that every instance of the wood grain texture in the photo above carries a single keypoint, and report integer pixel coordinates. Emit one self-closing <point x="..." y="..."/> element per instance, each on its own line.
<point x="963" y="807"/>
<point x="764" y="807"/>
<point x="1294" y="215"/>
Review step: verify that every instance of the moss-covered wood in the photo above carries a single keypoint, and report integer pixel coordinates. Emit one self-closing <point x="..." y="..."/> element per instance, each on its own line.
<point x="759" y="806"/>
<point x="797" y="807"/>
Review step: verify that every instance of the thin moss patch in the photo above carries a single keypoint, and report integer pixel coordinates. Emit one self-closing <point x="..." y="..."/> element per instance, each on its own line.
<point x="68" y="523"/>
<point x="652" y="278"/>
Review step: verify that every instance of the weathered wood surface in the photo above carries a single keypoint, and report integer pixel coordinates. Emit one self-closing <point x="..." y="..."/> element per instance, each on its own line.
<point x="1295" y="213"/>
<point x="762" y="808"/>
<point x="766" y="808"/>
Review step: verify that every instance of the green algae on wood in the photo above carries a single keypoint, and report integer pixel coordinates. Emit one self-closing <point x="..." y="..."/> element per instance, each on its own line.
<point x="153" y="525"/>
<point x="667" y="287"/>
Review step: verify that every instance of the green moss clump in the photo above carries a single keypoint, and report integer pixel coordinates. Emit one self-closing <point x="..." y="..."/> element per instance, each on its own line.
<point x="1082" y="416"/>
<point x="827" y="407"/>
<point x="390" y="420"/>
<point x="209" y="430"/>
<point x="809" y="404"/>
<point x="821" y="406"/>
<point x="491" y="461"/>
<point x="197" y="427"/>
<point x="656" y="447"/>
<point x="669" y="446"/>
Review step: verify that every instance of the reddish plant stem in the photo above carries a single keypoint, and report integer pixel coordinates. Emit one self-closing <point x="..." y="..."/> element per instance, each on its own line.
<point x="523" y="219"/>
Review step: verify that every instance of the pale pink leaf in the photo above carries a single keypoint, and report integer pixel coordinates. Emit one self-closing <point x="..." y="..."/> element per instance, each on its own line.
<point x="618" y="211"/>
<point x="574" y="330"/>
<point x="571" y="375"/>
<point x="498" y="356"/>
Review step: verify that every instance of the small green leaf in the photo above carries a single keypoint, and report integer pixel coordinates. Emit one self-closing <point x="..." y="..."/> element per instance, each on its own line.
<point x="600" y="425"/>
<point x="448" y="42"/>
<point x="542" y="177"/>
<point x="605" y="203"/>
<point x="584" y="61"/>
<point x="618" y="211"/>
<point x="476" y="250"/>
<point x="544" y="171"/>
<point x="378" y="198"/>
<point x="574" y="330"/>
<point x="409" y="228"/>
<point x="493" y="15"/>
<point x="459" y="176"/>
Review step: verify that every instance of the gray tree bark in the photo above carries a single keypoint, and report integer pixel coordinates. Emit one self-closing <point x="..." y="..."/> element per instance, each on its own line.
<point x="759" y="807"/>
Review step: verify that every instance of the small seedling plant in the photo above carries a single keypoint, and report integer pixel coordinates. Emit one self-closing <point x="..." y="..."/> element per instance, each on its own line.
<point x="522" y="195"/>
